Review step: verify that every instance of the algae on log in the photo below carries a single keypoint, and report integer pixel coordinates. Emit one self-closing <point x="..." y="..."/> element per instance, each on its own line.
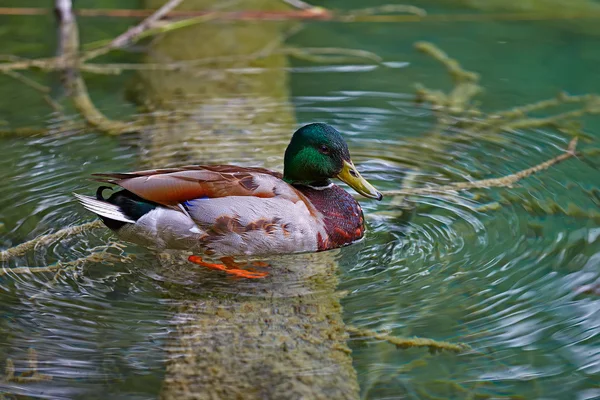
<point x="282" y="337"/>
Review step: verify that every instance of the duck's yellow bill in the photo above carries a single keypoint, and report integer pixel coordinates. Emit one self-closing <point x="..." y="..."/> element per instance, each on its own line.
<point x="350" y="175"/>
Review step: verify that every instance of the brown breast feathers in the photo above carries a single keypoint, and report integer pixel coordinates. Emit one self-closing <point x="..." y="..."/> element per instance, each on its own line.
<point x="343" y="217"/>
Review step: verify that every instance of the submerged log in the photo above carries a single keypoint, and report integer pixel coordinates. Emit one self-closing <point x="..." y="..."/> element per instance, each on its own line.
<point x="282" y="337"/>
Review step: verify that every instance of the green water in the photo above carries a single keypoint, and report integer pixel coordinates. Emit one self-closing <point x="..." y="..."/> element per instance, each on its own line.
<point x="505" y="281"/>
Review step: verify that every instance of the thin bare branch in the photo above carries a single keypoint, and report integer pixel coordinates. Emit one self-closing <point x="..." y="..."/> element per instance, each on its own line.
<point x="133" y="33"/>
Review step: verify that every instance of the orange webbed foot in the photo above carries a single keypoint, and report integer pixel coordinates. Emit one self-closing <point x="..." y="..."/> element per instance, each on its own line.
<point x="229" y="266"/>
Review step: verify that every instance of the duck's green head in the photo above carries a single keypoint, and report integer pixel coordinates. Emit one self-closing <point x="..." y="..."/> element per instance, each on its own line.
<point x="317" y="153"/>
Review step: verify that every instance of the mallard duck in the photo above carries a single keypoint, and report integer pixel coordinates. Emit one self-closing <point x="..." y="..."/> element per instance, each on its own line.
<point x="227" y="210"/>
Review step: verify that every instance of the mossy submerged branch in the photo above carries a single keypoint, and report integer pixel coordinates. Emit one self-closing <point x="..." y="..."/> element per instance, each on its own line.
<point x="42" y="89"/>
<point x="516" y="118"/>
<point x="458" y="118"/>
<point x="96" y="256"/>
<point x="407" y="343"/>
<point x="591" y="101"/>
<point x="537" y="208"/>
<point x="456" y="71"/>
<point x="25" y="247"/>
<point x="505" y="181"/>
<point x="456" y="109"/>
<point x="70" y="63"/>
<point x="299" y="4"/>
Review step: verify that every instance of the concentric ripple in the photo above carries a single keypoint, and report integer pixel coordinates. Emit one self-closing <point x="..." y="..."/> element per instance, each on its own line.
<point x="497" y="269"/>
<point x="500" y="270"/>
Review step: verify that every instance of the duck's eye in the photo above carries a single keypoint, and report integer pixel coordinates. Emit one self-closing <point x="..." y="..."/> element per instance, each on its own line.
<point x="324" y="149"/>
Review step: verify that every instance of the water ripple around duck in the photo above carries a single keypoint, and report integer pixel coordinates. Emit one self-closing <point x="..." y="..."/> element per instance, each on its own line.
<point x="483" y="267"/>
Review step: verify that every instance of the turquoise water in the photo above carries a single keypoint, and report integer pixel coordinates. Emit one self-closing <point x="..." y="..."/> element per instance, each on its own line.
<point x="500" y="270"/>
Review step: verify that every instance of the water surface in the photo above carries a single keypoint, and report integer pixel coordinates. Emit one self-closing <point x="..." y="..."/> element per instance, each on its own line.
<point x="500" y="270"/>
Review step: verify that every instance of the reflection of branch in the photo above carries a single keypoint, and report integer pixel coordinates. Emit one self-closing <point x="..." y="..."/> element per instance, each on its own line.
<point x="504" y="181"/>
<point x="560" y="99"/>
<point x="407" y="343"/>
<point x="22" y="248"/>
<point x="133" y="33"/>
